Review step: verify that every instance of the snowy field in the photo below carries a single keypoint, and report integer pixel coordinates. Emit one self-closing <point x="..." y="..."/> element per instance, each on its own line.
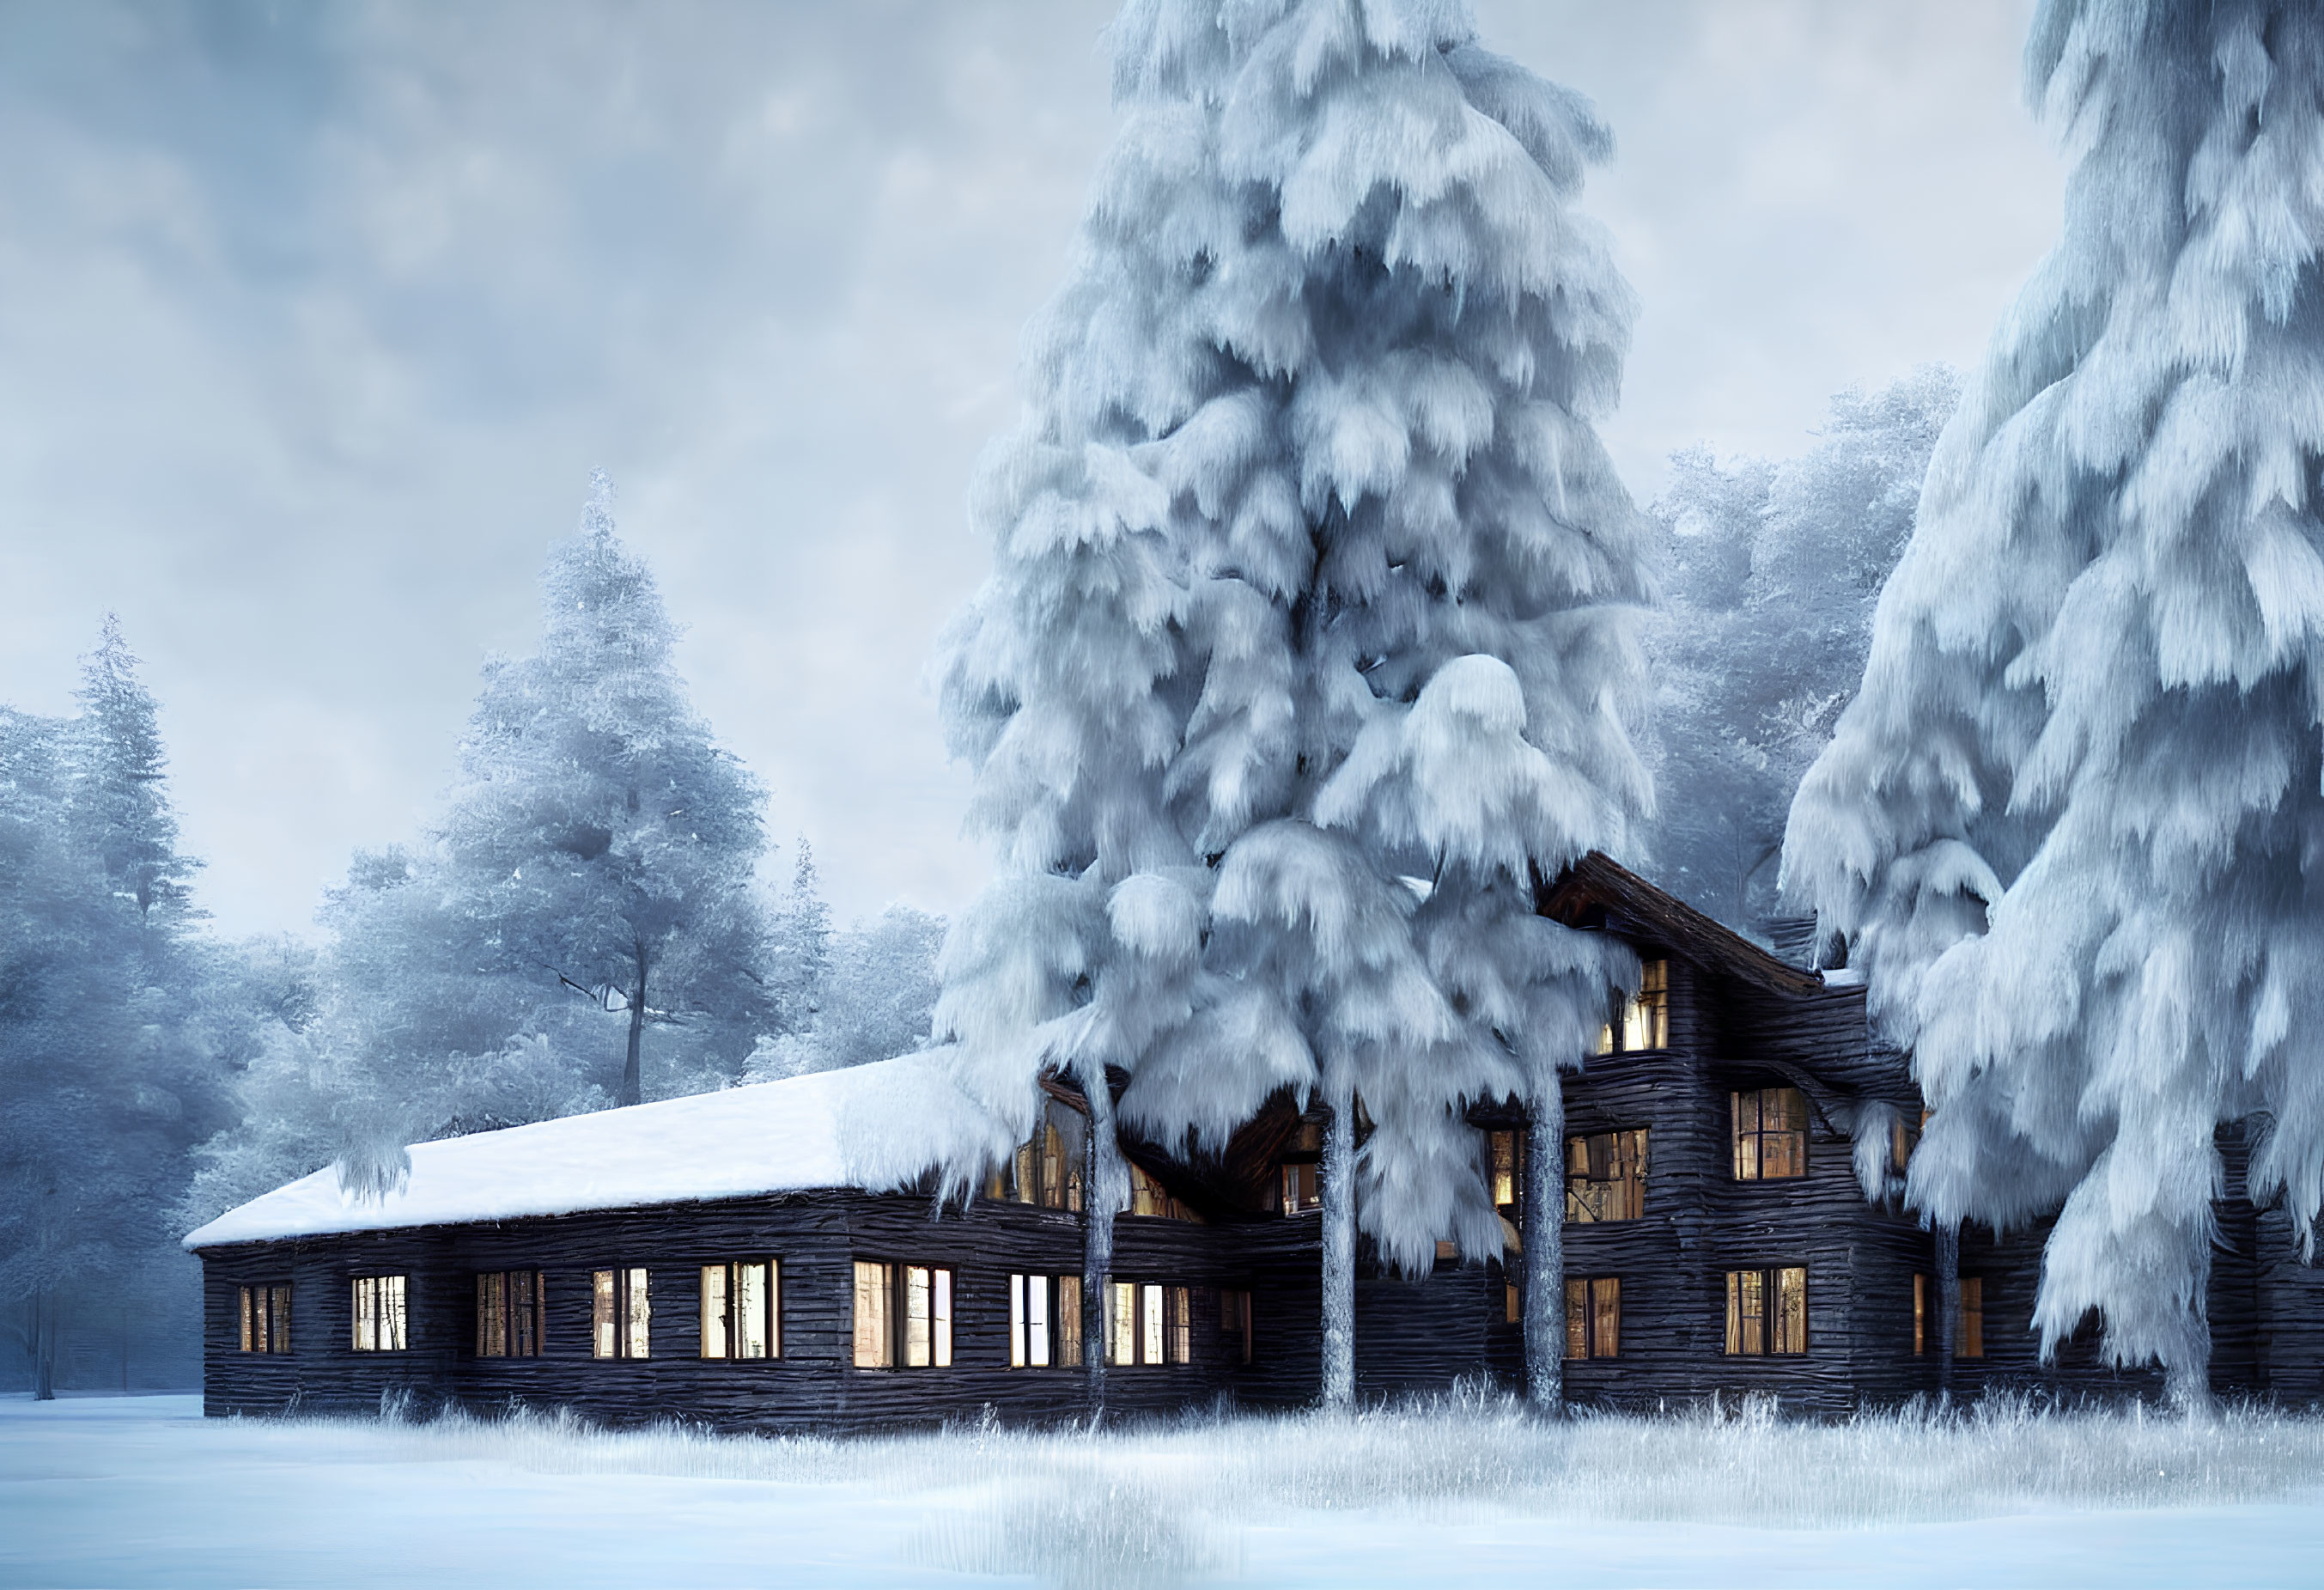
<point x="143" y="1491"/>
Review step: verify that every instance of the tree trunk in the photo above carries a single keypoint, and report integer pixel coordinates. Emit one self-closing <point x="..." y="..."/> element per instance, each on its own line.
<point x="1100" y="1173"/>
<point x="1543" y="1300"/>
<point x="1948" y="1305"/>
<point x="1339" y="1240"/>
<point x="44" y="1347"/>
<point x="633" y="1089"/>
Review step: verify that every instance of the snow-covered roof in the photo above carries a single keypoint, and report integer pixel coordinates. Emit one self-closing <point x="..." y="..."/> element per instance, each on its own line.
<point x="877" y="1126"/>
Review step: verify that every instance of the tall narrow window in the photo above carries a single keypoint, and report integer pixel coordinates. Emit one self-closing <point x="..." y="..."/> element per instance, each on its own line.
<point x="1234" y="1320"/>
<point x="875" y="1316"/>
<point x="1593" y="1316"/>
<point x="380" y="1318"/>
<point x="621" y="1314"/>
<point x="1646" y="1014"/>
<point x="1068" y="1317"/>
<point x="1770" y="1133"/>
<point x="1149" y="1323"/>
<point x="265" y="1318"/>
<point x="1767" y="1311"/>
<point x="741" y="1310"/>
<point x="1038" y="1173"/>
<point x="1507" y="1152"/>
<point x="1121" y="1322"/>
<point x="903" y="1316"/>
<point x="1606" y="1177"/>
<point x="1301" y="1170"/>
<point x="508" y="1314"/>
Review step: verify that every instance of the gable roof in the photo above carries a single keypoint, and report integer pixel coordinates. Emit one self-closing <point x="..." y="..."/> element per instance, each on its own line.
<point x="1637" y="906"/>
<point x="878" y="1127"/>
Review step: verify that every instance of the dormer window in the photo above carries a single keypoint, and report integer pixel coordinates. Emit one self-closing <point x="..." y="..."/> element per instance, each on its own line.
<point x="1038" y="1173"/>
<point x="1150" y="1197"/>
<point x="1641" y="1021"/>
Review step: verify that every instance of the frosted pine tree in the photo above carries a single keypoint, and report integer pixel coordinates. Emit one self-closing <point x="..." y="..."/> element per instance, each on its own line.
<point x="598" y="838"/>
<point x="2071" y="823"/>
<point x="1305" y="656"/>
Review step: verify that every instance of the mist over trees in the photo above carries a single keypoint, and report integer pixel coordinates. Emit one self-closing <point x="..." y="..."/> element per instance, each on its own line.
<point x="1770" y="571"/>
<point x="583" y="922"/>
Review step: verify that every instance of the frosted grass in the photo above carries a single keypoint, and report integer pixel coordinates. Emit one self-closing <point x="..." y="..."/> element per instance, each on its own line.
<point x="1166" y="1502"/>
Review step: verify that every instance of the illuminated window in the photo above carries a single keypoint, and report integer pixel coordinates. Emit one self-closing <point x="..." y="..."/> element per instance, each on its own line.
<point x="508" y="1314"/>
<point x="1505" y="1152"/>
<point x="1038" y="1174"/>
<point x="1148" y="1324"/>
<point x="1150" y="1197"/>
<point x="266" y="1318"/>
<point x="621" y="1314"/>
<point x="1606" y="1177"/>
<point x="1968" y="1324"/>
<point x="1767" y="1311"/>
<point x="1646" y="1014"/>
<point x="1771" y="1133"/>
<point x="1593" y="1316"/>
<point x="1301" y="1172"/>
<point x="1044" y="1321"/>
<point x="903" y="1316"/>
<point x="742" y="1309"/>
<point x="380" y="1316"/>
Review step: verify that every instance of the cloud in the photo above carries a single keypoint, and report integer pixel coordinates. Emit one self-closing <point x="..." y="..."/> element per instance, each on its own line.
<point x="314" y="319"/>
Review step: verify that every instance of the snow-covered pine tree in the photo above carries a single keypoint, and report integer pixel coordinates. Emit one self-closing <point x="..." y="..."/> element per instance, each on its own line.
<point x="1303" y="657"/>
<point x="2069" y="825"/>
<point x="597" y="839"/>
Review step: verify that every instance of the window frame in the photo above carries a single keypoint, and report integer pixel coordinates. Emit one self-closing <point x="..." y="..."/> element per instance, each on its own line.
<point x="1149" y="1325"/>
<point x="263" y="1310"/>
<point x="1968" y="1318"/>
<point x="380" y="1306"/>
<point x="1053" y="1340"/>
<point x="1774" y="1286"/>
<point x="731" y="1339"/>
<point x="1596" y="1331"/>
<point x="883" y="1336"/>
<point x="508" y="1326"/>
<point x="1039" y="1173"/>
<point x="1626" y="1149"/>
<point x="621" y="1314"/>
<point x="1752" y="1166"/>
<point x="1639" y="1024"/>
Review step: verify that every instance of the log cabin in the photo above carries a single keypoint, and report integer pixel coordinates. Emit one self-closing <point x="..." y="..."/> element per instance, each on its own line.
<point x="791" y="1255"/>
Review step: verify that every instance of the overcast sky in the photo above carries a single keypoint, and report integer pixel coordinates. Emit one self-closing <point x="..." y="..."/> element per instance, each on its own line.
<point x="314" y="319"/>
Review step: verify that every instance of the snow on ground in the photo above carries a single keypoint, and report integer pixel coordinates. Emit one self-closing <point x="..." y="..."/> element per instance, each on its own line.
<point x="136" y="1492"/>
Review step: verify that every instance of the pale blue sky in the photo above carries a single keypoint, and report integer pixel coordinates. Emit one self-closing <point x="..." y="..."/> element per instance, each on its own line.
<point x="313" y="319"/>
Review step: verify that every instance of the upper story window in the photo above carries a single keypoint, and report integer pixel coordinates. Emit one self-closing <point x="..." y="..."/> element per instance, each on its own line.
<point x="742" y="1309"/>
<point x="508" y="1314"/>
<point x="1606" y="1177"/>
<point x="1767" y="1311"/>
<point x="380" y="1318"/>
<point x="1641" y="1021"/>
<point x="1771" y="1133"/>
<point x="1505" y="1152"/>
<point x="1301" y="1171"/>
<point x="903" y="1316"/>
<point x="1150" y="1197"/>
<point x="621" y="1314"/>
<point x="265" y="1318"/>
<point x="1038" y="1174"/>
<point x="1149" y="1323"/>
<point x="1044" y="1321"/>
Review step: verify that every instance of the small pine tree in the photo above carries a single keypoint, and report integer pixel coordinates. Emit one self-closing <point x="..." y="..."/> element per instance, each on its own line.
<point x="598" y="839"/>
<point x="1304" y="658"/>
<point x="2068" y="822"/>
